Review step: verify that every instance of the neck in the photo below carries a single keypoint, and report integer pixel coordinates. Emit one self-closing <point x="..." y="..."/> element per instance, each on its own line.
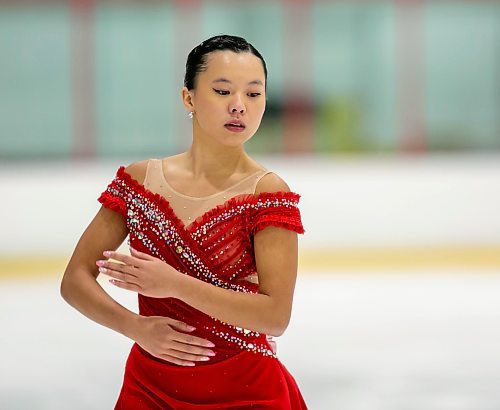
<point x="208" y="158"/>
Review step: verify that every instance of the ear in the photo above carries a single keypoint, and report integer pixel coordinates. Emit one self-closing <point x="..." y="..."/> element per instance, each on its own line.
<point x="187" y="98"/>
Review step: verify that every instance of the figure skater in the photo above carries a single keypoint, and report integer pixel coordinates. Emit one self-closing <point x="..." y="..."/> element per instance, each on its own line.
<point x="213" y="253"/>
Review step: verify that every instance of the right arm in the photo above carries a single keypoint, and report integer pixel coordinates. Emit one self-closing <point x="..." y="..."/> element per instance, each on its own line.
<point x="79" y="287"/>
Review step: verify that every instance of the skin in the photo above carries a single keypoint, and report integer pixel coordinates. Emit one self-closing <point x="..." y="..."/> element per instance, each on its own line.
<point x="215" y="160"/>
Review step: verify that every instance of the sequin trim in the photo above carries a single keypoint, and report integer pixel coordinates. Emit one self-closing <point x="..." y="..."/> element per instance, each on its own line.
<point x="151" y="220"/>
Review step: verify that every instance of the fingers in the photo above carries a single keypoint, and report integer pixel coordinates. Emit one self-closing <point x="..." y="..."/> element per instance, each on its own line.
<point x="119" y="267"/>
<point x="178" y="354"/>
<point x="107" y="267"/>
<point x="190" y="352"/>
<point x="162" y="340"/>
<point x="187" y="339"/>
<point x="180" y="325"/>
<point x="126" y="285"/>
<point x="127" y="259"/>
<point x="183" y="357"/>
<point x="175" y="360"/>
<point x="119" y="275"/>
<point x="140" y="255"/>
<point x="191" y="340"/>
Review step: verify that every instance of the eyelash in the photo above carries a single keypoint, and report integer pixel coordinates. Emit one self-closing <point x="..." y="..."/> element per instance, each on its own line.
<point x="224" y="92"/>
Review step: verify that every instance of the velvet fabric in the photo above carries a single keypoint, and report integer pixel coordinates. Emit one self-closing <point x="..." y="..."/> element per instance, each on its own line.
<point x="216" y="248"/>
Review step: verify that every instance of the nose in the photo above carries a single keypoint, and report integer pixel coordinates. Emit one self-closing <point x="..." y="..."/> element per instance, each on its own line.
<point x="237" y="106"/>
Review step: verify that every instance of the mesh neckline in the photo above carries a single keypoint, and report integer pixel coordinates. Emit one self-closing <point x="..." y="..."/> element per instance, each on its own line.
<point x="164" y="180"/>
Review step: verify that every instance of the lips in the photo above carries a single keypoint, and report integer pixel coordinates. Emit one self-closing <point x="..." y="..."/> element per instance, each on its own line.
<point x="235" y="125"/>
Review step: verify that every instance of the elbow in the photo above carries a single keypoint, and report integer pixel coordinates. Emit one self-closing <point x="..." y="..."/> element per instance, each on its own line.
<point x="279" y="325"/>
<point x="72" y="282"/>
<point x="277" y="332"/>
<point x="64" y="289"/>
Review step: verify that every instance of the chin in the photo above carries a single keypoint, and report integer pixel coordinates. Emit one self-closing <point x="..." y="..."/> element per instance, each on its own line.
<point x="234" y="140"/>
<point x="234" y="143"/>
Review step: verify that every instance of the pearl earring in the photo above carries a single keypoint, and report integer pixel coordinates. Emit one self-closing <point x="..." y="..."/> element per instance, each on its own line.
<point x="190" y="114"/>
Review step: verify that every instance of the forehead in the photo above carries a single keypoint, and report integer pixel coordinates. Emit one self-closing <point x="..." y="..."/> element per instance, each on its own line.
<point x="243" y="66"/>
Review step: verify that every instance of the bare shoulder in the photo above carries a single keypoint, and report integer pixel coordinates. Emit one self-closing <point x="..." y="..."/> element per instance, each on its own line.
<point x="271" y="182"/>
<point x="137" y="170"/>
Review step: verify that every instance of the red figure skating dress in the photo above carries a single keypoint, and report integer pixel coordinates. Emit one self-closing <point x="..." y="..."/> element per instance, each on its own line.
<point x="210" y="238"/>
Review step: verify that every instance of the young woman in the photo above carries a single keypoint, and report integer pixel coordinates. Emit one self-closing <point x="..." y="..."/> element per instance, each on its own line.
<point x="213" y="253"/>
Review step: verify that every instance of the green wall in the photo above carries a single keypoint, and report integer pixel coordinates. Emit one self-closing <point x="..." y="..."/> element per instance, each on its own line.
<point x="139" y="59"/>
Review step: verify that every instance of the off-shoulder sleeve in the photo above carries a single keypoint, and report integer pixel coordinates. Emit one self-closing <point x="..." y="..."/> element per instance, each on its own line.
<point x="277" y="209"/>
<point x="113" y="197"/>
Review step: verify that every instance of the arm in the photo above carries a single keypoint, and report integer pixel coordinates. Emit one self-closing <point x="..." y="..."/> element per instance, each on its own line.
<point x="79" y="286"/>
<point x="81" y="290"/>
<point x="267" y="312"/>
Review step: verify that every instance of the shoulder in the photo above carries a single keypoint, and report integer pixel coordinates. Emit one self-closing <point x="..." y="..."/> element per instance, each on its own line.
<point x="271" y="182"/>
<point x="279" y="206"/>
<point x="137" y="170"/>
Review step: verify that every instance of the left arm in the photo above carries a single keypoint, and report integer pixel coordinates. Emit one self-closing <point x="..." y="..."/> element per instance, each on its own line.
<point x="269" y="311"/>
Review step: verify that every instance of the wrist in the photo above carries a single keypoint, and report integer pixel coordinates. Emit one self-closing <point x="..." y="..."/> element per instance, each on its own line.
<point x="178" y="285"/>
<point x="131" y="326"/>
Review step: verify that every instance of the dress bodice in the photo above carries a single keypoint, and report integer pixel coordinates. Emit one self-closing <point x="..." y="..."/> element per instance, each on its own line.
<point x="188" y="208"/>
<point x="216" y="246"/>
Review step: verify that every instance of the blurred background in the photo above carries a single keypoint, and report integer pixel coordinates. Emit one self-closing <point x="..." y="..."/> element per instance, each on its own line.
<point x="383" y="115"/>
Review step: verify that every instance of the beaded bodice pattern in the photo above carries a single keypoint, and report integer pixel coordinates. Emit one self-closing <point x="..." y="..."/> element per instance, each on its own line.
<point x="216" y="247"/>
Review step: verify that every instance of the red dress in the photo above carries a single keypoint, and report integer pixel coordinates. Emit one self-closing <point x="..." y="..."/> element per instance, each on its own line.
<point x="216" y="248"/>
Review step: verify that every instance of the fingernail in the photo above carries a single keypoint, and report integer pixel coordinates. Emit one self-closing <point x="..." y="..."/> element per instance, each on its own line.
<point x="204" y="358"/>
<point x="210" y="344"/>
<point x="190" y="328"/>
<point x="107" y="253"/>
<point x="100" y="263"/>
<point x="210" y="353"/>
<point x="188" y="364"/>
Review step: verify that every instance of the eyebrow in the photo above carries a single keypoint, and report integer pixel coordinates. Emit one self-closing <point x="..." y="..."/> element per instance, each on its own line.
<point x="225" y="80"/>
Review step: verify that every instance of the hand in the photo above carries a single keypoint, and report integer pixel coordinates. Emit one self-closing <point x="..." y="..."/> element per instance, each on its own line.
<point x="156" y="335"/>
<point x="140" y="272"/>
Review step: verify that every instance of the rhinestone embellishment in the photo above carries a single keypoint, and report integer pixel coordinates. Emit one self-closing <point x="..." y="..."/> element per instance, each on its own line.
<point x="150" y="224"/>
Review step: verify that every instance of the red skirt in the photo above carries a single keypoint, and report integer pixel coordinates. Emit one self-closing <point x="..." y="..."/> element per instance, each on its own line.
<point x="244" y="381"/>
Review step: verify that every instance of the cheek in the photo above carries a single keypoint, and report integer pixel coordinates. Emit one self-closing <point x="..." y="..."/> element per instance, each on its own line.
<point x="261" y="105"/>
<point x="204" y="107"/>
<point x="210" y="106"/>
<point x="259" y="111"/>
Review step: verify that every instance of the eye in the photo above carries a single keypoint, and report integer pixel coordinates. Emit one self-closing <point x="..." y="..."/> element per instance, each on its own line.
<point x="254" y="95"/>
<point x="221" y="92"/>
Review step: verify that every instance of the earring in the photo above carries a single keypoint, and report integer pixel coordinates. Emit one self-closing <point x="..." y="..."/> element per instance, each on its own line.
<point x="190" y="114"/>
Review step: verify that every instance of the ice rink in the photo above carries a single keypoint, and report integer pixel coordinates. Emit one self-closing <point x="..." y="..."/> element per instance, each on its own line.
<point x="382" y="116"/>
<point x="398" y="341"/>
<point x="372" y="328"/>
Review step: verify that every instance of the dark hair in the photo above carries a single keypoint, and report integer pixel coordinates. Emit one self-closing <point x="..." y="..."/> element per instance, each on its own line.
<point x="197" y="58"/>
